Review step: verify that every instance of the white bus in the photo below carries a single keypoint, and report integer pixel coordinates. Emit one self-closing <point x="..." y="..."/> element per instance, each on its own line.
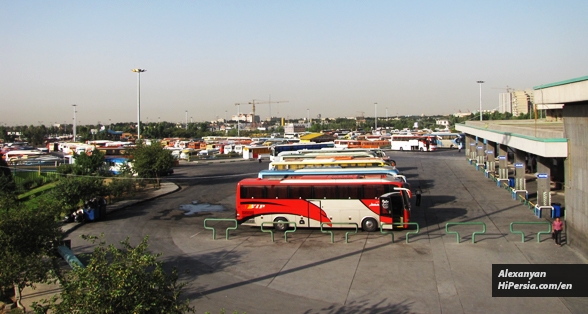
<point x="424" y="143"/>
<point x="446" y="139"/>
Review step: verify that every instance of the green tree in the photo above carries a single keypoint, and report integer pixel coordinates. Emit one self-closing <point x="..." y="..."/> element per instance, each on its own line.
<point x="126" y="280"/>
<point x="35" y="135"/>
<point x="151" y="161"/>
<point x="71" y="191"/>
<point x="89" y="163"/>
<point x="27" y="239"/>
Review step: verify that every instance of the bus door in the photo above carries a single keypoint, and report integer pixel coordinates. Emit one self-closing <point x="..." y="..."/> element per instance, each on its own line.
<point x="315" y="215"/>
<point x="392" y="208"/>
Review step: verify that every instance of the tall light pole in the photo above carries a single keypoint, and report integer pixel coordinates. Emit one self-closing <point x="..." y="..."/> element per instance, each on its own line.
<point x="186" y="119"/>
<point x="138" y="71"/>
<point x="74" y="122"/>
<point x="238" y="119"/>
<point x="480" y="82"/>
<point x="376" y="115"/>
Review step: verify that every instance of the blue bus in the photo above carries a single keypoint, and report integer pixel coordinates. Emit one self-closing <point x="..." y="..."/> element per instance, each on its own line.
<point x="276" y="149"/>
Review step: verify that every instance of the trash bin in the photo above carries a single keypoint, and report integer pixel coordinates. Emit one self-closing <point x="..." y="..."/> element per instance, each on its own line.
<point x="557" y="212"/>
<point x="90" y="214"/>
<point x="511" y="182"/>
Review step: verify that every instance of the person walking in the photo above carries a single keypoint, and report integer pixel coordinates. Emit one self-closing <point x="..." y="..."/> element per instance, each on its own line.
<point x="418" y="193"/>
<point x="557" y="226"/>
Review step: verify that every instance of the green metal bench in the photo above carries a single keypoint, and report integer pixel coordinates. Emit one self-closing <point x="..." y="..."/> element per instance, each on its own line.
<point x="275" y="223"/>
<point x="398" y="224"/>
<point x="530" y="223"/>
<point x="220" y="219"/>
<point x="339" y="223"/>
<point x="465" y="223"/>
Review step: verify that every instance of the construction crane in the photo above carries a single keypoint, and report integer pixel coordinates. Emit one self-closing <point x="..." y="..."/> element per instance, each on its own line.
<point x="259" y="102"/>
<point x="508" y="89"/>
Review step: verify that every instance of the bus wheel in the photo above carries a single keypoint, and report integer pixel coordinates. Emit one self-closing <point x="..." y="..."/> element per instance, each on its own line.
<point x="401" y="148"/>
<point x="281" y="227"/>
<point x="369" y="225"/>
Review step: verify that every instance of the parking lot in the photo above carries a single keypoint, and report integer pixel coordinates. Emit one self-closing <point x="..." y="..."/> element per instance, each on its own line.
<point x="433" y="273"/>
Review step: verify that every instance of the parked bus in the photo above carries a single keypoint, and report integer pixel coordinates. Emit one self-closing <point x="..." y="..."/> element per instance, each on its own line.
<point x="344" y="143"/>
<point x="277" y="149"/>
<point x="382" y="171"/>
<point x="327" y="163"/>
<point x="427" y="143"/>
<point x="14" y="155"/>
<point x="310" y="202"/>
<point x="446" y="139"/>
<point x="339" y="151"/>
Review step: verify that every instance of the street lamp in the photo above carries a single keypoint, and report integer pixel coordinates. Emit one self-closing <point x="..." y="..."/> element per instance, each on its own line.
<point x="238" y="119"/>
<point x="186" y="119"/>
<point x="138" y="71"/>
<point x="480" y="82"/>
<point x="74" y="122"/>
<point x="376" y="115"/>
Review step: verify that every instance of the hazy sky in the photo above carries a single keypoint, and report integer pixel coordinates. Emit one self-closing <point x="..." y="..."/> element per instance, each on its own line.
<point x="334" y="58"/>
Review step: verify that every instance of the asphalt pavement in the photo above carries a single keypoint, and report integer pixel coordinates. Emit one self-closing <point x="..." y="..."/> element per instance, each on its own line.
<point x="434" y="272"/>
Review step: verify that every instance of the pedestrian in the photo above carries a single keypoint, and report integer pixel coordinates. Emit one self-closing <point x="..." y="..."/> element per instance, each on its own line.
<point x="419" y="192"/>
<point x="259" y="158"/>
<point x="458" y="142"/>
<point x="557" y="226"/>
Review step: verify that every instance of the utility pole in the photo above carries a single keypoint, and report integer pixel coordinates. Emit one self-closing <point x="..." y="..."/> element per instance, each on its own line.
<point x="74" y="122"/>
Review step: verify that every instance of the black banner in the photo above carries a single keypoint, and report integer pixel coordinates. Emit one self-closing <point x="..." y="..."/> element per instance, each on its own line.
<point x="539" y="280"/>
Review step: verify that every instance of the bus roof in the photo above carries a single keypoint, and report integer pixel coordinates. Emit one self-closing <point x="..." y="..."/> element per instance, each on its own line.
<point x="327" y="171"/>
<point x="326" y="181"/>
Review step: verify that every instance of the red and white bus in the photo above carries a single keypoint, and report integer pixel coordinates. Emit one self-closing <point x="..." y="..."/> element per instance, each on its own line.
<point x="312" y="200"/>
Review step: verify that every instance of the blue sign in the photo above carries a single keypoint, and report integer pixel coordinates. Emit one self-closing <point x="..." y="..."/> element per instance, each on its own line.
<point x="472" y="144"/>
<point x="519" y="165"/>
<point x="501" y="157"/>
<point x="542" y="176"/>
<point x="490" y="151"/>
<point x="480" y="147"/>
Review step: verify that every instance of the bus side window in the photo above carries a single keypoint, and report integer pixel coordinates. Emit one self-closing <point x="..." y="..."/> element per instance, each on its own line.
<point x="373" y="191"/>
<point x="277" y="191"/>
<point x="252" y="192"/>
<point x="349" y="192"/>
<point x="325" y="192"/>
<point x="303" y="192"/>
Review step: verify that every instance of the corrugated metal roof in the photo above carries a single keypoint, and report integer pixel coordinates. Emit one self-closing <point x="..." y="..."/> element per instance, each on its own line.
<point x="574" y="80"/>
<point x="310" y="136"/>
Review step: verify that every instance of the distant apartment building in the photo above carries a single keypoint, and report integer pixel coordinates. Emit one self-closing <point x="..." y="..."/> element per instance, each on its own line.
<point x="517" y="102"/>
<point x="442" y="122"/>
<point x="246" y="117"/>
<point x="294" y="128"/>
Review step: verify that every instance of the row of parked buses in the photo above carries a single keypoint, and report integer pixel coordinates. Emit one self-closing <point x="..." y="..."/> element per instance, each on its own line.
<point x="330" y="187"/>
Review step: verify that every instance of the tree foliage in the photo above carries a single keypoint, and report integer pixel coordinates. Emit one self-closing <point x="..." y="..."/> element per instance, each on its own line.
<point x="126" y="280"/>
<point x="89" y="163"/>
<point x="151" y="161"/>
<point x="27" y="239"/>
<point x="71" y="191"/>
